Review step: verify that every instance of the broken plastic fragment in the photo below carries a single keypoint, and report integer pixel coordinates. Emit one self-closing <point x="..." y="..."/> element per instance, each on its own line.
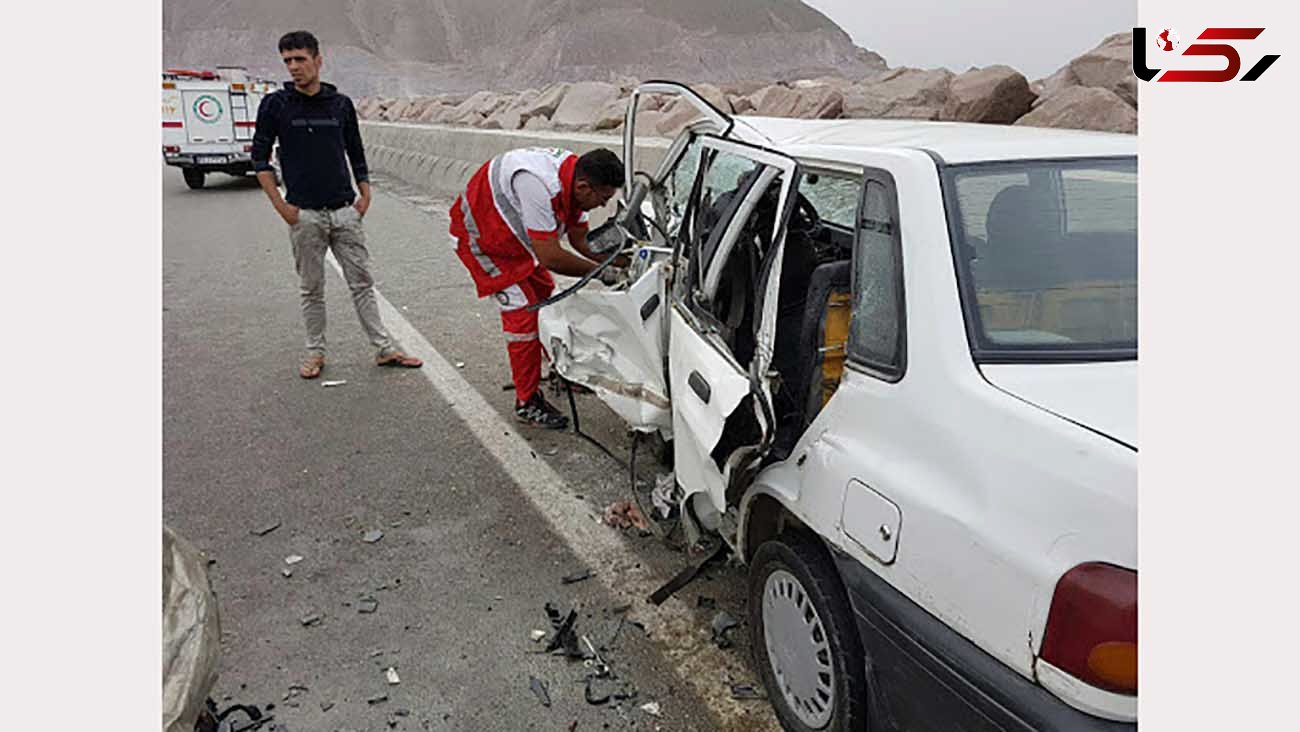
<point x="372" y="536"/>
<point x="292" y="559"/>
<point x="745" y="691"/>
<point x="335" y="382"/>
<point x="391" y="674"/>
<point x="585" y="574"/>
<point x="286" y="572"/>
<point x="310" y="620"/>
<point x="537" y="635"/>
<point x="651" y="708"/>
<point x="539" y="690"/>
<point x="377" y="699"/>
<point x="264" y="530"/>
<point x="367" y="605"/>
<point x="723" y="624"/>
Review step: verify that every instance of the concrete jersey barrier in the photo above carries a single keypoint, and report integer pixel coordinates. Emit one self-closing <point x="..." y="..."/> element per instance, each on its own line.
<point x="440" y="158"/>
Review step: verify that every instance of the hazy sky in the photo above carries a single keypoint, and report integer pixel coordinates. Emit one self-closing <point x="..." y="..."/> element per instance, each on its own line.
<point x="1036" y="37"/>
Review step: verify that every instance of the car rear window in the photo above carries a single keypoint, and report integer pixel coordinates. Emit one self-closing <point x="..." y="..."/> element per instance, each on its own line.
<point x="1047" y="257"/>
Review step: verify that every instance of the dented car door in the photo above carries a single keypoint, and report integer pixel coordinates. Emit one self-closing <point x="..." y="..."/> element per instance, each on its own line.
<point x="722" y="322"/>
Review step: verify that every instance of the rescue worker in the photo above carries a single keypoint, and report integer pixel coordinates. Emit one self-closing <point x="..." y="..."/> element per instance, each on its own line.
<point x="506" y="228"/>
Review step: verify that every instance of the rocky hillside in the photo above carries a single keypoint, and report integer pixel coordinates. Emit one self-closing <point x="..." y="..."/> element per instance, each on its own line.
<point x="1096" y="91"/>
<point x="400" y="47"/>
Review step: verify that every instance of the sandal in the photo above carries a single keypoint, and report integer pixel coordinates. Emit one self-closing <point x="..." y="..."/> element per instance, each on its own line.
<point x="399" y="359"/>
<point x="311" y="366"/>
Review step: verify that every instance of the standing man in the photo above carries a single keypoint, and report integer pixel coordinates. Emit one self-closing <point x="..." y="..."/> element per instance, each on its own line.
<point x="506" y="228"/>
<point x="319" y="137"/>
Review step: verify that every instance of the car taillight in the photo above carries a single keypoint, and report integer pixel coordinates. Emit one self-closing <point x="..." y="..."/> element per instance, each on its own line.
<point x="1092" y="627"/>
<point x="248" y="148"/>
<point x="171" y="148"/>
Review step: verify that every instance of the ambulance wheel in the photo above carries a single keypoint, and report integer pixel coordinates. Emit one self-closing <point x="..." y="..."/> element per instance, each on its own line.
<point x="193" y="177"/>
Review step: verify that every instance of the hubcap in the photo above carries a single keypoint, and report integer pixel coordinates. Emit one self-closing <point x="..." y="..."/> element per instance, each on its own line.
<point x="798" y="649"/>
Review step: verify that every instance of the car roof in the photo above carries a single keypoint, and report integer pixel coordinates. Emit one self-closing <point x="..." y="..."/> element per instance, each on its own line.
<point x="954" y="142"/>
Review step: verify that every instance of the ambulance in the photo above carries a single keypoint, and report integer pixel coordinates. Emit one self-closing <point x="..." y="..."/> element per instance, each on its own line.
<point x="208" y="119"/>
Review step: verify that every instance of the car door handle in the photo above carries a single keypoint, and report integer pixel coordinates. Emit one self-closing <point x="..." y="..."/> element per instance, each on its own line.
<point x="699" y="386"/>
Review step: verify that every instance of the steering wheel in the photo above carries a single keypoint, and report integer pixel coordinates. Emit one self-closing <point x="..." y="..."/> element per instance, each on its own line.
<point x="812" y="220"/>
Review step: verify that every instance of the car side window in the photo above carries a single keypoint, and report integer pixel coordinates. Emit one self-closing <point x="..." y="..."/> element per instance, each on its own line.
<point x="834" y="196"/>
<point x="682" y="179"/>
<point x="876" y="337"/>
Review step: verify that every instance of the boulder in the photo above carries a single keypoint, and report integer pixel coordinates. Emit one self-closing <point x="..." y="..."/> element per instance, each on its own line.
<point x="744" y="88"/>
<point x="775" y="101"/>
<point x="996" y="94"/>
<point x="647" y="122"/>
<point x="582" y="104"/>
<point x="538" y="122"/>
<point x="433" y="112"/>
<point x="394" y="112"/>
<point x="547" y="101"/>
<point x="612" y="115"/>
<point x="713" y="95"/>
<point x="904" y="93"/>
<point x="1083" y="108"/>
<point x="671" y="120"/>
<point x="1108" y="66"/>
<point x="510" y="116"/>
<point x="740" y="105"/>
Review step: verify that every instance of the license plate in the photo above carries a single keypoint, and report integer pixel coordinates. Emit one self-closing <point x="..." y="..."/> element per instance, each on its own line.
<point x="211" y="159"/>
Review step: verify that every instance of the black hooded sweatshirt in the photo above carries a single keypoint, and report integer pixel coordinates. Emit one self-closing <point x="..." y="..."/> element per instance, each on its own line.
<point x="315" y="133"/>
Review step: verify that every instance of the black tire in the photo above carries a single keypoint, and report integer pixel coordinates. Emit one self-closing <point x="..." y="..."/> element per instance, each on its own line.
<point x="808" y="562"/>
<point x="193" y="177"/>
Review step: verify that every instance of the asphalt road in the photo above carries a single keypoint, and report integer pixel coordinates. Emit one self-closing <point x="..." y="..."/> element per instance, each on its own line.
<point x="476" y="537"/>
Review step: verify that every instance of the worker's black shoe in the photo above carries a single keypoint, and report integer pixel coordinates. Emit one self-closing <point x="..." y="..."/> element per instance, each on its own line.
<point x="539" y="413"/>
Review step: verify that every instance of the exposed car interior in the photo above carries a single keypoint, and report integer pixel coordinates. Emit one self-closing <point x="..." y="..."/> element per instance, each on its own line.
<point x="814" y="306"/>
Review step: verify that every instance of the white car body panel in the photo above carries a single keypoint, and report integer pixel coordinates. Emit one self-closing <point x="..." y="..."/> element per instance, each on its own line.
<point x="697" y="424"/>
<point x="1099" y="396"/>
<point x="598" y="338"/>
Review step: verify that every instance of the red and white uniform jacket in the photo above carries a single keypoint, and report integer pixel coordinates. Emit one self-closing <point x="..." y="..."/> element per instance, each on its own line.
<point x="514" y="197"/>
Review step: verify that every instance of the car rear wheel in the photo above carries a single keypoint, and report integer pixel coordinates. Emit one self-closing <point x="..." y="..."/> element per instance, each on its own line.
<point x="193" y="177"/>
<point x="805" y="643"/>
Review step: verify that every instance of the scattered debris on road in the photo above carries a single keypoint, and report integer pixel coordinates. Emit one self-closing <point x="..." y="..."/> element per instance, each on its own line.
<point x="539" y="690"/>
<point x="335" y="382"/>
<point x="746" y="692"/>
<point x="372" y="536"/>
<point x="310" y="620"/>
<point x="723" y="624"/>
<point x="651" y="708"/>
<point x="552" y="451"/>
<point x="367" y="605"/>
<point x="576" y="577"/>
<point x="461" y="365"/>
<point x="625" y="515"/>
<point x="688" y="573"/>
<point x="537" y="635"/>
<point x="286" y="572"/>
<point x="391" y="675"/>
<point x="264" y="530"/>
<point x="662" y="496"/>
<point x="292" y="559"/>
<point x="326" y="706"/>
<point x="377" y="699"/>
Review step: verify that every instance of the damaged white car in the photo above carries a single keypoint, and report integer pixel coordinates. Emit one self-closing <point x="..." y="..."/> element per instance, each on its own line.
<point x="896" y="363"/>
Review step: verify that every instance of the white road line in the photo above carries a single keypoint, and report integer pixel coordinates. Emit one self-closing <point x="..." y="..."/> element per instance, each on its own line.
<point x="696" y="661"/>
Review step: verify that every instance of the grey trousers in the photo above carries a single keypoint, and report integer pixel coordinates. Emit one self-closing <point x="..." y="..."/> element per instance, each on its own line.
<point x="340" y="231"/>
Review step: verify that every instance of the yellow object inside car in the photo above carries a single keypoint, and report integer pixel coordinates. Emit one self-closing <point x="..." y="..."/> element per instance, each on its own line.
<point x="834" y="342"/>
